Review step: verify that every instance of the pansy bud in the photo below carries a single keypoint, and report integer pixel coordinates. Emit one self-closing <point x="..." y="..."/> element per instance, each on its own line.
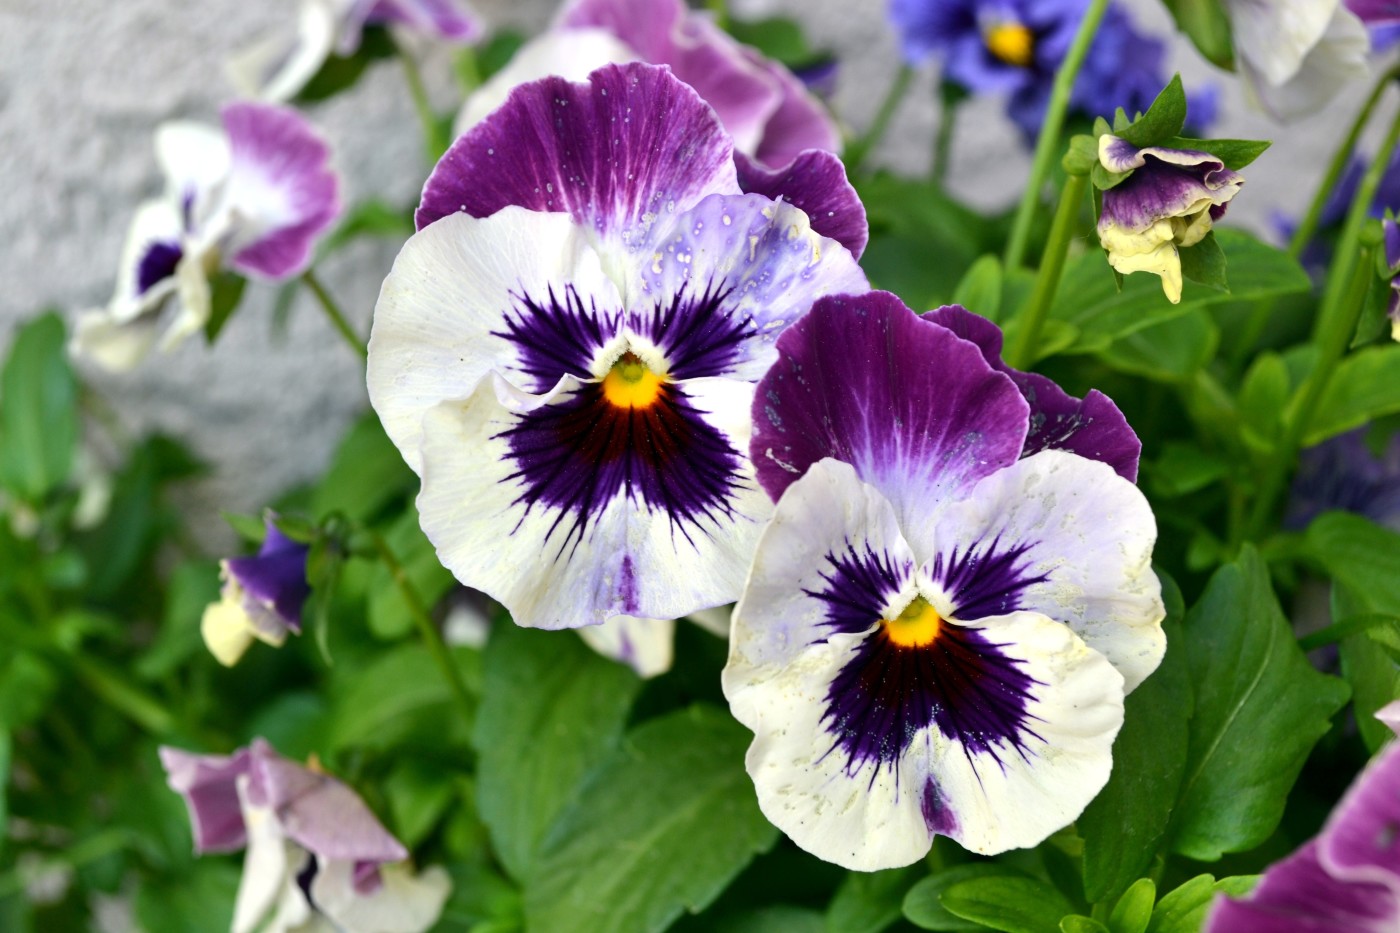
<point x="1168" y="202"/>
<point x="261" y="598"/>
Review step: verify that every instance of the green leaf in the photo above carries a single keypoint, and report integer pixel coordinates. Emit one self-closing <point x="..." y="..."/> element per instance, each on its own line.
<point x="1371" y="664"/>
<point x="38" y="411"/>
<point x="366" y="474"/>
<point x="1204" y="263"/>
<point x="1163" y="120"/>
<point x="1359" y="555"/>
<point x="193" y="586"/>
<point x="778" y="38"/>
<point x="778" y="918"/>
<point x="1235" y="153"/>
<point x="923" y="905"/>
<point x="1013" y="905"/>
<point x="419" y="793"/>
<point x="225" y="291"/>
<point x="27" y="685"/>
<point x="1263" y="400"/>
<point x="198" y="902"/>
<point x="1172" y="351"/>
<point x="1208" y="26"/>
<point x="626" y="862"/>
<point x="1184" y="910"/>
<point x="388" y="614"/>
<point x="1363" y="388"/>
<point x="572" y="704"/>
<point x="251" y="528"/>
<point x="1083" y="154"/>
<point x="980" y="288"/>
<point x="6" y="757"/>
<point x="1133" y="911"/>
<point x="1183" y="469"/>
<point x="339" y="73"/>
<point x="1375" y="322"/>
<point x="1104" y="179"/>
<point x="1126" y="823"/>
<point x="370" y="218"/>
<point x="1088" y="298"/>
<point x="870" y="902"/>
<point x="1259" y="709"/>
<point x="1078" y="923"/>
<point x="401" y="699"/>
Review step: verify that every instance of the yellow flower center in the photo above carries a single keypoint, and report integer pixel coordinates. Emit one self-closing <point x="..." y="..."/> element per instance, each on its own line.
<point x="916" y="626"/>
<point x="631" y="384"/>
<point x="1013" y="43"/>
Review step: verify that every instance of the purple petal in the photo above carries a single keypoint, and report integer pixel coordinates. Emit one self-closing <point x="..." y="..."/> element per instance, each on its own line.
<point x="276" y="577"/>
<point x="801" y="121"/>
<point x="630" y="144"/>
<point x="814" y="181"/>
<point x="443" y="19"/>
<point x="209" y="785"/>
<point x="279" y="179"/>
<point x="1361" y="841"/>
<point x="1164" y="183"/>
<point x="1092" y="427"/>
<point x="1392" y="242"/>
<point x="1376" y="12"/>
<point x="915" y="409"/>
<point x="1297" y="895"/>
<point x="317" y="811"/>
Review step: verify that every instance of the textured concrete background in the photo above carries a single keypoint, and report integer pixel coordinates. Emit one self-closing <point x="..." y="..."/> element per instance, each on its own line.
<point x="83" y="83"/>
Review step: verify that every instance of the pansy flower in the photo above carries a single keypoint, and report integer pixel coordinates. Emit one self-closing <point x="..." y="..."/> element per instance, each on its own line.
<point x="944" y="615"/>
<point x="315" y="852"/>
<point x="565" y="352"/>
<point x="768" y="111"/>
<point x="1168" y="202"/>
<point x="1295" y="55"/>
<point x="1347" y="879"/>
<point x="647" y="645"/>
<point x="251" y="197"/>
<point x="278" y="67"/>
<point x="261" y="598"/>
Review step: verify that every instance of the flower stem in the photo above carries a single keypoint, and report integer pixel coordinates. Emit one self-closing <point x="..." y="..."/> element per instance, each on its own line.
<point x="1020" y="351"/>
<point x="328" y="304"/>
<point x="1263" y="310"/>
<point x="434" y="134"/>
<point x="1346" y="628"/>
<point x="860" y="148"/>
<point x="432" y="638"/>
<point x="949" y="100"/>
<point x="1047" y="145"/>
<point x="124" y="696"/>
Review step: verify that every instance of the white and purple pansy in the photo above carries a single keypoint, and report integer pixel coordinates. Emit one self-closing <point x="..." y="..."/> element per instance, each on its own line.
<point x="279" y="67"/>
<point x="770" y="114"/>
<point x="316" y="855"/>
<point x="251" y="197"/>
<point x="566" y="350"/>
<point x="942" y="619"/>
<point x="1168" y="202"/>
<point x="261" y="597"/>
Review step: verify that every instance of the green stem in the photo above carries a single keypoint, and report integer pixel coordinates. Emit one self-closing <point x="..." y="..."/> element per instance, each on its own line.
<point x="434" y="134"/>
<point x="858" y="150"/>
<point x="432" y="638"/>
<point x="1346" y="628"/>
<point x="1263" y="310"/>
<point x="125" y="697"/>
<point x="943" y="140"/>
<point x="1020" y="351"/>
<point x="338" y="321"/>
<point x="1047" y="145"/>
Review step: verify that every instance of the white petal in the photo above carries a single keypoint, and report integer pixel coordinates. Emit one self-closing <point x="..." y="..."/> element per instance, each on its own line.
<point x="1341" y="56"/>
<point x="569" y="53"/>
<point x="1274" y="36"/>
<point x="195" y="303"/>
<point x="450" y="287"/>
<point x="194" y="157"/>
<point x="631" y="559"/>
<point x="1089" y="532"/>
<point x="156" y="221"/>
<point x="645" y="645"/>
<point x="404" y="902"/>
<point x="277" y="68"/>
<point x="269" y="866"/>
<point x="115" y="346"/>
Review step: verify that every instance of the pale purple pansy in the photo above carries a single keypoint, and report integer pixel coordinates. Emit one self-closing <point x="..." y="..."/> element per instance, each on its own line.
<point x="315" y="852"/>
<point x="261" y="598"/>
<point x="1295" y="55"/>
<point x="769" y="112"/>
<point x="1347" y="879"/>
<point x="940" y="625"/>
<point x="1166" y="204"/>
<point x="565" y="352"/>
<point x="279" y="66"/>
<point x="1344" y="473"/>
<point x="252" y="197"/>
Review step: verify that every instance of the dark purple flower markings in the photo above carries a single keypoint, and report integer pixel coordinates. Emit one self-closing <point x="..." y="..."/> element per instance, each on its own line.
<point x="157" y="264"/>
<point x="580" y="453"/>
<point x="276" y="576"/>
<point x="887" y="693"/>
<point x="985" y="580"/>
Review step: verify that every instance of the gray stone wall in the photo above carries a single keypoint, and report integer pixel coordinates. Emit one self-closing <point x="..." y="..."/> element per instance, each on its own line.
<point x="83" y="83"/>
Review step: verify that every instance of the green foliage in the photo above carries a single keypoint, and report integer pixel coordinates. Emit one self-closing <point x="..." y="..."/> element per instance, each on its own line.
<point x="400" y="700"/>
<point x="225" y="292"/>
<point x="1364" y="387"/>
<point x="1259" y="708"/>
<point x="1013" y="905"/>
<point x="868" y="903"/>
<point x="38" y="412"/>
<point x="1235" y="153"/>
<point x="1133" y="912"/>
<point x="342" y="72"/>
<point x="1163" y="119"/>
<point x="572" y="704"/>
<point x="1184" y="910"/>
<point x="1125" y="825"/>
<point x="924" y="907"/>
<point x="779" y="38"/>
<point x="624" y="861"/>
<point x="1205" y="263"/>
<point x="1208" y="25"/>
